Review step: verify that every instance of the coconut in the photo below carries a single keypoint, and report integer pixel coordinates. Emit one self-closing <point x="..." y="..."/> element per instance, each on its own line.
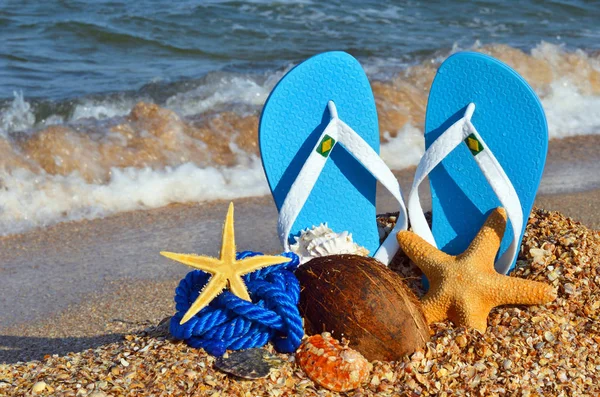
<point x="360" y="299"/>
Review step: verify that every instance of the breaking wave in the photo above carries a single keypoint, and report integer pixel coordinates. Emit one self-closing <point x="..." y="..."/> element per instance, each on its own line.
<point x="196" y="140"/>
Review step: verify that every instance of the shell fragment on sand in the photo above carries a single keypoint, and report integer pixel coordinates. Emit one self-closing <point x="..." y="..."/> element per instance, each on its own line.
<point x="248" y="364"/>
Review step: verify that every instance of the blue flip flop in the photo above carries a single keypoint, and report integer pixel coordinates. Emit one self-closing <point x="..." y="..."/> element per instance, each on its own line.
<point x="480" y="101"/>
<point x="319" y="143"/>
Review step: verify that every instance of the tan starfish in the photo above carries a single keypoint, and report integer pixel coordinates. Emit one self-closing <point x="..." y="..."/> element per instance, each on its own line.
<point x="226" y="271"/>
<point x="464" y="288"/>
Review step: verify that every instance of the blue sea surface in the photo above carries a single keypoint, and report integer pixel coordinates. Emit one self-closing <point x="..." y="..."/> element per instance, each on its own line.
<point x="60" y="49"/>
<point x="111" y="105"/>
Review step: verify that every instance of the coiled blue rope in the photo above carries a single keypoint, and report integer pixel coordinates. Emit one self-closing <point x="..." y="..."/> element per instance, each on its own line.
<point x="229" y="322"/>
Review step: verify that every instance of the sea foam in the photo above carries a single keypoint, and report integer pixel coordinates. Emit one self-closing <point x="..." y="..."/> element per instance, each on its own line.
<point x="107" y="155"/>
<point x="30" y="200"/>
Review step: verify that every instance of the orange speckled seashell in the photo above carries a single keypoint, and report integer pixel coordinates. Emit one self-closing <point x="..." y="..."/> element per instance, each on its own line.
<point x="332" y="365"/>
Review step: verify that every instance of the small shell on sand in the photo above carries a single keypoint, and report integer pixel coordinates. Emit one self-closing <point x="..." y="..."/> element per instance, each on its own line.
<point x="253" y="363"/>
<point x="38" y="387"/>
<point x="332" y="365"/>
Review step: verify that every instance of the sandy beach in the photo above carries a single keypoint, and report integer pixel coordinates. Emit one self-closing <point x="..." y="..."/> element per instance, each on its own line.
<point x="536" y="350"/>
<point x="127" y="128"/>
<point x="79" y="285"/>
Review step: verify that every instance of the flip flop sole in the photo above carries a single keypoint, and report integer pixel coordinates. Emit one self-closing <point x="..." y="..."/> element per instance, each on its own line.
<point x="293" y="118"/>
<point x="510" y="119"/>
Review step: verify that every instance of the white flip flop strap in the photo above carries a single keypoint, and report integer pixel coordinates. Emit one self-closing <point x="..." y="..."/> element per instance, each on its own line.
<point x="303" y="185"/>
<point x="312" y="168"/>
<point x="438" y="150"/>
<point x="365" y="154"/>
<point x="491" y="169"/>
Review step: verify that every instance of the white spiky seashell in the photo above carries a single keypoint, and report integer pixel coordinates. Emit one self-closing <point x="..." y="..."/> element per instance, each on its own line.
<point x="321" y="241"/>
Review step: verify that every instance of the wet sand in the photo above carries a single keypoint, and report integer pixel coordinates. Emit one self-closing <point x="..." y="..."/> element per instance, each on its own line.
<point x="82" y="284"/>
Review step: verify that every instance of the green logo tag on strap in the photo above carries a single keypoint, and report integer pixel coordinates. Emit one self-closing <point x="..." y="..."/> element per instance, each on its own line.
<point x="325" y="146"/>
<point x="474" y="145"/>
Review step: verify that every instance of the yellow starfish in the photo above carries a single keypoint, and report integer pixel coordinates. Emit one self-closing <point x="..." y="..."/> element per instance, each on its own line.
<point x="226" y="271"/>
<point x="464" y="288"/>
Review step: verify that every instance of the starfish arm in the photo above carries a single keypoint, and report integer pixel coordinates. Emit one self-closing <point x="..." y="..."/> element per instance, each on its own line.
<point x="435" y="306"/>
<point x="238" y="288"/>
<point x="215" y="286"/>
<point x="248" y="265"/>
<point x="204" y="263"/>
<point x="470" y="313"/>
<point x="486" y="243"/>
<point x="228" y="245"/>
<point x="518" y="291"/>
<point x="429" y="259"/>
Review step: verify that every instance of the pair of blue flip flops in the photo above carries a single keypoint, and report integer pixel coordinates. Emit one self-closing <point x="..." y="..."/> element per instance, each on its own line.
<point x="485" y="137"/>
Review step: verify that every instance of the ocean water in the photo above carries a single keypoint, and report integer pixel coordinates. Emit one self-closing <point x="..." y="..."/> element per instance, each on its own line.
<point x="110" y="106"/>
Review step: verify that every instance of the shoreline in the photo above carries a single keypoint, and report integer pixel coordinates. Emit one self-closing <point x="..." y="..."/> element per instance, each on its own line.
<point x="31" y="203"/>
<point x="62" y="286"/>
<point x="105" y="277"/>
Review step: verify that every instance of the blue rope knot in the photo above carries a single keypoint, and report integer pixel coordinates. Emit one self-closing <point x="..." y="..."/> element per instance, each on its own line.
<point x="229" y="322"/>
